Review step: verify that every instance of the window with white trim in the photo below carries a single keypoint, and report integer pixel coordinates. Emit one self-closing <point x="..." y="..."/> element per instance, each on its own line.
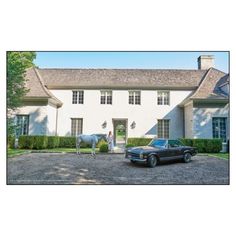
<point x="219" y="127"/>
<point x="22" y="125"/>
<point x="76" y="126"/>
<point x="78" y="97"/>
<point x="135" y="97"/>
<point x="163" y="98"/>
<point x="163" y="128"/>
<point x="106" y="97"/>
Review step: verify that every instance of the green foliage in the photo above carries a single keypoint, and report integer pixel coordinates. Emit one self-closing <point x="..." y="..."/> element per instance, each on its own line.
<point x="103" y="148"/>
<point x="25" y="142"/>
<point x="17" y="63"/>
<point x="53" y="141"/>
<point x="129" y="145"/>
<point x="100" y="143"/>
<point x="204" y="145"/>
<point x="139" y="141"/>
<point x="67" y="142"/>
<point x="11" y="141"/>
<point x="33" y="142"/>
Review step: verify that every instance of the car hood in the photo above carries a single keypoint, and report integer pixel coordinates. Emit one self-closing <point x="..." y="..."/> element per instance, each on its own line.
<point x="142" y="149"/>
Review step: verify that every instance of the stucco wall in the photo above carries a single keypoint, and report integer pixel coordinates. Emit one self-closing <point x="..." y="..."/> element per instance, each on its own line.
<point x="202" y="119"/>
<point x="188" y="120"/>
<point x="37" y="118"/>
<point x="145" y="115"/>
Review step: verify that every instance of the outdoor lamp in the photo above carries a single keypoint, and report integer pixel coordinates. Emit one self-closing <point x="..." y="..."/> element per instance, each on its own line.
<point x="133" y="125"/>
<point x="104" y="125"/>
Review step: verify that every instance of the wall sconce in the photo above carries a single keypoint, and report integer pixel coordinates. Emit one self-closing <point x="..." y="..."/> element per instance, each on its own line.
<point x="133" y="125"/>
<point x="104" y="125"/>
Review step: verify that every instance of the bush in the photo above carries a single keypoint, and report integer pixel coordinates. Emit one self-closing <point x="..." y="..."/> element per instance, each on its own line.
<point x="103" y="148"/>
<point x="139" y="141"/>
<point x="11" y="141"/>
<point x="25" y="142"/>
<point x="204" y="145"/>
<point x="100" y="143"/>
<point x="129" y="145"/>
<point x="53" y="142"/>
<point x="67" y="142"/>
<point x="33" y="142"/>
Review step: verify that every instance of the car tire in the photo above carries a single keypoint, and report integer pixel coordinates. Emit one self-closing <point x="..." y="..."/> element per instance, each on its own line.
<point x="187" y="157"/>
<point x="152" y="161"/>
<point x="132" y="161"/>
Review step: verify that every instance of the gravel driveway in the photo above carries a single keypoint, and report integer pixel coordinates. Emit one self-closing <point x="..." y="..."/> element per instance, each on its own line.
<point x="58" y="168"/>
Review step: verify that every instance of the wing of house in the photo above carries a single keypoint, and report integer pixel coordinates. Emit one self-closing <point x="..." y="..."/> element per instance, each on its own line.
<point x="141" y="102"/>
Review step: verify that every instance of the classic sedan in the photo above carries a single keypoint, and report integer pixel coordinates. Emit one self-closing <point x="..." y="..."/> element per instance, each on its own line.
<point x="160" y="149"/>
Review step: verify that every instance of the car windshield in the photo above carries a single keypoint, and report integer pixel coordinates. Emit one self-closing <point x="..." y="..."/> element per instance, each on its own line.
<point x="157" y="143"/>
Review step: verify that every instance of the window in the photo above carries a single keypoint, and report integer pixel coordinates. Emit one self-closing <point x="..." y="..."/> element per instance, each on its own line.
<point x="135" y="97"/>
<point x="22" y="125"/>
<point x="106" y="97"/>
<point x="219" y="128"/>
<point x="163" y="128"/>
<point x="163" y="98"/>
<point x="76" y="126"/>
<point x="174" y="143"/>
<point x="77" y="97"/>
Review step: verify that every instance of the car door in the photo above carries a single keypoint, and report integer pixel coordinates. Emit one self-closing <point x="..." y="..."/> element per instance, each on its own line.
<point x="175" y="148"/>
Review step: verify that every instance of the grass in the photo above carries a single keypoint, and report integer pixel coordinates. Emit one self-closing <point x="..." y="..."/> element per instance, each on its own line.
<point x="218" y="155"/>
<point x="15" y="152"/>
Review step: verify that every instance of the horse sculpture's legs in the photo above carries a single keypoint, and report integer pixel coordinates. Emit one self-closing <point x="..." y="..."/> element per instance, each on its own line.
<point x="93" y="149"/>
<point x="78" y="146"/>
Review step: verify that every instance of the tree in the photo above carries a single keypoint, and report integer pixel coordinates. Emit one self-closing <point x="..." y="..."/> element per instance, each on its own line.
<point x="17" y="64"/>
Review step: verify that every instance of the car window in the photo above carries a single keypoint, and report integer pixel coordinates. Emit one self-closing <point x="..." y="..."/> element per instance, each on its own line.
<point x="158" y="143"/>
<point x="174" y="143"/>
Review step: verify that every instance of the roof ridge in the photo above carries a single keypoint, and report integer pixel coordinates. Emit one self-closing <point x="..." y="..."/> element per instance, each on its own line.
<point x="154" y="69"/>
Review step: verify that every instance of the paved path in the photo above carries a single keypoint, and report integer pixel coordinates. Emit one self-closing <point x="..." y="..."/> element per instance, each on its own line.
<point x="58" y="168"/>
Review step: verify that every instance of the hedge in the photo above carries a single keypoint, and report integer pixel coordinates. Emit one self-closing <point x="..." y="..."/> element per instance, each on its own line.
<point x="44" y="142"/>
<point x="139" y="141"/>
<point x="204" y="145"/>
<point x="33" y="142"/>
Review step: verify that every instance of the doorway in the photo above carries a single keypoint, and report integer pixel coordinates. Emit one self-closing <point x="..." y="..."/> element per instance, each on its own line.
<point x="120" y="132"/>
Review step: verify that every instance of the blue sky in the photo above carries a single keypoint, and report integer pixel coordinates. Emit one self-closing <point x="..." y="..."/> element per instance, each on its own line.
<point x="146" y="60"/>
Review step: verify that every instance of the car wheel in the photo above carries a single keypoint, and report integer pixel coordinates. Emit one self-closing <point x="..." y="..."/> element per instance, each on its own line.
<point x="132" y="161"/>
<point x="187" y="157"/>
<point x="152" y="161"/>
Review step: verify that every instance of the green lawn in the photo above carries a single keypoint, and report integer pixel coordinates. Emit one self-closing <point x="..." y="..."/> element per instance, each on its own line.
<point x="15" y="152"/>
<point x="218" y="155"/>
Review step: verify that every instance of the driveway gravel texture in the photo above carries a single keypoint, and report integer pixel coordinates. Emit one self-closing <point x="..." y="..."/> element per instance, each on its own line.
<point x="61" y="168"/>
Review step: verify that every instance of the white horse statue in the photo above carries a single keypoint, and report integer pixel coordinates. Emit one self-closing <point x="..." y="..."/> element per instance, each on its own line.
<point x="89" y="139"/>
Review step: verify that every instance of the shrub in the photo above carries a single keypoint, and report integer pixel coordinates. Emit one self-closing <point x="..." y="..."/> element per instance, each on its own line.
<point x="204" y="145"/>
<point x="11" y="141"/>
<point x="25" y="142"/>
<point x="129" y="145"/>
<point x="103" y="148"/>
<point x="100" y="143"/>
<point x="67" y="142"/>
<point x="53" y="142"/>
<point x="40" y="142"/>
<point x="139" y="141"/>
<point x="33" y="142"/>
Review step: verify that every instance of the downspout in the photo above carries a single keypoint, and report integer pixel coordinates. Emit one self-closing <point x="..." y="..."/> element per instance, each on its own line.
<point x="56" y="121"/>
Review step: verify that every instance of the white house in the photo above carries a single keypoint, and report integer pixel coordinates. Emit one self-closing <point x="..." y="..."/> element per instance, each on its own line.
<point x="141" y="102"/>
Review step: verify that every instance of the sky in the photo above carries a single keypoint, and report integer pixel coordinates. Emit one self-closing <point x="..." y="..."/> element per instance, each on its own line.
<point x="132" y="60"/>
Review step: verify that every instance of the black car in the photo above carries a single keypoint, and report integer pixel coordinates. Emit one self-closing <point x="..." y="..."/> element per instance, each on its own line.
<point x="160" y="149"/>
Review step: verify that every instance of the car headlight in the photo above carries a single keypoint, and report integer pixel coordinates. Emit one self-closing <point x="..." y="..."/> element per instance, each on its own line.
<point x="141" y="155"/>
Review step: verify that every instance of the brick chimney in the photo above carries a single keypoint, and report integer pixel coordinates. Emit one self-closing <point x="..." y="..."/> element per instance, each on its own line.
<point x="205" y="62"/>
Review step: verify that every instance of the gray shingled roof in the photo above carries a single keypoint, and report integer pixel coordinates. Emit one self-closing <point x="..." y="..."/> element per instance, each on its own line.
<point x="37" y="89"/>
<point x="209" y="87"/>
<point x="121" y="78"/>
